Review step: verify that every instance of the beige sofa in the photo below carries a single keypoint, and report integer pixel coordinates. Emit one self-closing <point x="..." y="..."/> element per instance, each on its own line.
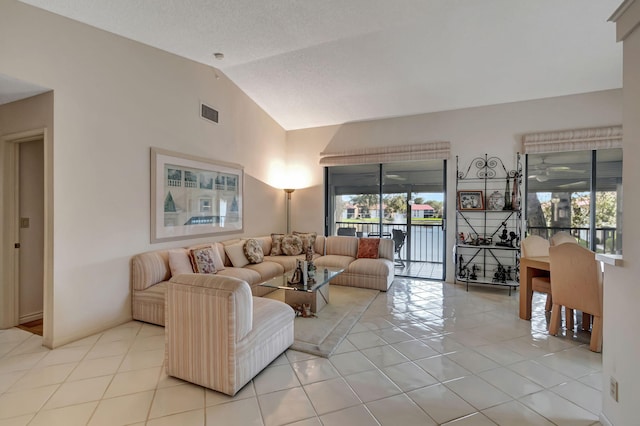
<point x="249" y="332"/>
<point x="342" y="252"/>
<point x="150" y="271"/>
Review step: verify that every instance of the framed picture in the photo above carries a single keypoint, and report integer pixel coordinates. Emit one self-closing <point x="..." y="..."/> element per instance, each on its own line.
<point x="470" y="200"/>
<point x="193" y="197"/>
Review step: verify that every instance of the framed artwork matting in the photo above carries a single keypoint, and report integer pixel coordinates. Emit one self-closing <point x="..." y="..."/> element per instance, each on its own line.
<point x="193" y="196"/>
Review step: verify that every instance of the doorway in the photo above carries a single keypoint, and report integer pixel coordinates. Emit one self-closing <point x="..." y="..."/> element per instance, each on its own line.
<point x="403" y="201"/>
<point x="24" y="221"/>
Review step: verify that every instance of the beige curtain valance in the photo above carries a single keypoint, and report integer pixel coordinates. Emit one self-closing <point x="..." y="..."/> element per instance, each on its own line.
<point x="573" y="140"/>
<point x="390" y="154"/>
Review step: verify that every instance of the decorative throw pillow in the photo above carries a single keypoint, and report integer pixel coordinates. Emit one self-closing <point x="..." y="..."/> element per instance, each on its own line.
<point x="276" y="244"/>
<point x="368" y="248"/>
<point x="253" y="251"/>
<point x="215" y="255"/>
<point x="236" y="254"/>
<point x="218" y="262"/>
<point x="202" y="260"/>
<point x="291" y="245"/>
<point x="308" y="239"/>
<point x="179" y="262"/>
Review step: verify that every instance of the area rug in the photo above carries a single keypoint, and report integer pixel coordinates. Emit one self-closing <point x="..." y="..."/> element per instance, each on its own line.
<point x="322" y="335"/>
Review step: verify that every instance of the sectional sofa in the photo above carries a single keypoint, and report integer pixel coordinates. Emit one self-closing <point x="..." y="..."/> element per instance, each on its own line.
<point x="151" y="271"/>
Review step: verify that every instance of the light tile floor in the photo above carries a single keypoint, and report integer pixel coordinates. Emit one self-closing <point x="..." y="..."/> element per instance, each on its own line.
<point x="424" y="353"/>
<point x="423" y="270"/>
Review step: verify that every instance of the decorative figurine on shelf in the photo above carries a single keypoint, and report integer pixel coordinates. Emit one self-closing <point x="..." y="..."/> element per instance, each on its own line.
<point x="462" y="271"/>
<point x="507" y="197"/>
<point x="486" y="241"/>
<point x="513" y="239"/>
<point x="504" y="237"/>
<point x="298" y="274"/>
<point x="508" y="276"/>
<point x="461" y="238"/>
<point x="500" y="276"/>
<point x="515" y="196"/>
<point x="474" y="269"/>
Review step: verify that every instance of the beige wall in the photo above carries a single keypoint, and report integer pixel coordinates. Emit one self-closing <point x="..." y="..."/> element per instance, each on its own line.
<point x="114" y="99"/>
<point x="621" y="340"/>
<point x="496" y="130"/>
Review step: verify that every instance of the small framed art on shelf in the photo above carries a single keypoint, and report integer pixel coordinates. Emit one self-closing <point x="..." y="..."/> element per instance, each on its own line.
<point x="470" y="200"/>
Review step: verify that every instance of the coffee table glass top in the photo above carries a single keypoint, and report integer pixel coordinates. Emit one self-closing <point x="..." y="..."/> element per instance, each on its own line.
<point x="322" y="276"/>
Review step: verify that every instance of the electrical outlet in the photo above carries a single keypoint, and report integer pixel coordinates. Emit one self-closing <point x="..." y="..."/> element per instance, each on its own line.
<point x="613" y="388"/>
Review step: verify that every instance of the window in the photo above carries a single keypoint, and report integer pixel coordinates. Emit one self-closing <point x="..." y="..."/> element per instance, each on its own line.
<point x="579" y="192"/>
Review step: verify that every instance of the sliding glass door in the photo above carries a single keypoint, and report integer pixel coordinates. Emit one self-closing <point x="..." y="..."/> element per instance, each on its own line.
<point x="403" y="201"/>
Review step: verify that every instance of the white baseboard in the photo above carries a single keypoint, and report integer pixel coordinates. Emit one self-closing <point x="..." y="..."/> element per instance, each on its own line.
<point x="604" y="420"/>
<point x="30" y="317"/>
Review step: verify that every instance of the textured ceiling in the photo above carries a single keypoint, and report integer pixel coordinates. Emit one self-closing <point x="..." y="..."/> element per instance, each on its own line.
<point x="313" y="63"/>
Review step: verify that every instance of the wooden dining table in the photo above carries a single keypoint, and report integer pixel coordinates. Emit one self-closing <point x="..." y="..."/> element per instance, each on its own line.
<point x="530" y="267"/>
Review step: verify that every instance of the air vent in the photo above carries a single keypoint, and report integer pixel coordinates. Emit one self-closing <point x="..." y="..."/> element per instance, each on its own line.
<point x="208" y="113"/>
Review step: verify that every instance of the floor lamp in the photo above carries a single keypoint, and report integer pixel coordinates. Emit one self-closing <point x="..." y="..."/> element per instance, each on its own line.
<point x="288" y="192"/>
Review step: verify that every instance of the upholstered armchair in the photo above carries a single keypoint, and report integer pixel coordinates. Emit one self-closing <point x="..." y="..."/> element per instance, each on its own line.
<point x="218" y="335"/>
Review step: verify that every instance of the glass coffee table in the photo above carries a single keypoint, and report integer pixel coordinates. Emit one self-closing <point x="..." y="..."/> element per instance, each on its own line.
<point x="315" y="293"/>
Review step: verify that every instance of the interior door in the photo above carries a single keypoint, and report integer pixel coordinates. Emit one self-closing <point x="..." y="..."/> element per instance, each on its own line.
<point x="31" y="230"/>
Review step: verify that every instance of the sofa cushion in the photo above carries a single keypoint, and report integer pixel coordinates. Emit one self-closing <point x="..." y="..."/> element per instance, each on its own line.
<point x="266" y="269"/>
<point x="246" y="274"/>
<point x="202" y="260"/>
<point x="335" y="261"/>
<point x="150" y="268"/>
<point x="308" y="239"/>
<point x="236" y="255"/>
<point x="291" y="245"/>
<point x="368" y="248"/>
<point x="344" y="246"/>
<point x="219" y="256"/>
<point x="375" y="267"/>
<point x="276" y="244"/>
<point x="180" y="262"/>
<point x="253" y="251"/>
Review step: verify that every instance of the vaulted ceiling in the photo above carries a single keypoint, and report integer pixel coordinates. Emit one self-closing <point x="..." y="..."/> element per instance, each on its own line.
<point x="313" y="63"/>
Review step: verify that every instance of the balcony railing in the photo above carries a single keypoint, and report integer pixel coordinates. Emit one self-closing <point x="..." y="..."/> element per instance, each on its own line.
<point x="606" y="237"/>
<point x="423" y="244"/>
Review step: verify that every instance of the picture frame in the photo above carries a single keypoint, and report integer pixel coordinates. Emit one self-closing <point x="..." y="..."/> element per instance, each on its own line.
<point x="470" y="200"/>
<point x="194" y="197"/>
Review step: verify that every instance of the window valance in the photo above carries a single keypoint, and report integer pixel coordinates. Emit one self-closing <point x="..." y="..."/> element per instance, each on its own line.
<point x="573" y="140"/>
<point x="390" y="154"/>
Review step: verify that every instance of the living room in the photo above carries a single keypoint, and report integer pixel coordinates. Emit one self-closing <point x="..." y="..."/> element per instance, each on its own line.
<point x="109" y="99"/>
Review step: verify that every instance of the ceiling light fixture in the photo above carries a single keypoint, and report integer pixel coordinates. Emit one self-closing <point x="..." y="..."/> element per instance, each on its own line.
<point x="219" y="56"/>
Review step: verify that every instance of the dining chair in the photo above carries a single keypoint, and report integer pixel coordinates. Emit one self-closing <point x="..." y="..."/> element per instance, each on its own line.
<point x="576" y="284"/>
<point x="565" y="237"/>
<point x="562" y="237"/>
<point x="536" y="246"/>
<point x="350" y="232"/>
<point x="398" y="242"/>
